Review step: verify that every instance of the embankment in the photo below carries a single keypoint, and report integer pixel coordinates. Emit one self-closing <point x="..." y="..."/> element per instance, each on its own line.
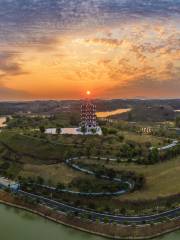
<point x="115" y="231"/>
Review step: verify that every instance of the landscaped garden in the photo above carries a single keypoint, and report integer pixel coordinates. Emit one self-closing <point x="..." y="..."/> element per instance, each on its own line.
<point x="27" y="154"/>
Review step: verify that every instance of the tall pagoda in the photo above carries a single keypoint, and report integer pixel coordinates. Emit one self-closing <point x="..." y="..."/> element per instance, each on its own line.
<point x="88" y="115"/>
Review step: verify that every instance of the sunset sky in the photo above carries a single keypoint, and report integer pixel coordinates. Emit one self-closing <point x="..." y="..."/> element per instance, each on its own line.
<point x="59" y="49"/>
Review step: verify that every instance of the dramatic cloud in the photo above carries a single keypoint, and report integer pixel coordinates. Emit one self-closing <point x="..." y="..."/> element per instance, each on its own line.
<point x="116" y="48"/>
<point x="147" y="87"/>
<point x="105" y="41"/>
<point x="30" y="19"/>
<point x="13" y="94"/>
<point x="8" y="64"/>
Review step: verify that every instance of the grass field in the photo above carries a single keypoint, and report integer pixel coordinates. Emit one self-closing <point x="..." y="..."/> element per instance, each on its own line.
<point x="162" y="179"/>
<point x="52" y="174"/>
<point x="142" y="138"/>
<point x="27" y="149"/>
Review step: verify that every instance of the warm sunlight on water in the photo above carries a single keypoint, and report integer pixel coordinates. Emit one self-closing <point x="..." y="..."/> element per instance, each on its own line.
<point x="2" y="121"/>
<point x="107" y="114"/>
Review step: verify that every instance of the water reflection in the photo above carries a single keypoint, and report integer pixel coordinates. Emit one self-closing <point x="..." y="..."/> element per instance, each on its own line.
<point x="110" y="113"/>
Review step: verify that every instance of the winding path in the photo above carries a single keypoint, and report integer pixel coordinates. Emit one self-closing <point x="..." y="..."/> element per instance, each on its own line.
<point x="65" y="208"/>
<point x="130" y="185"/>
<point x="70" y="163"/>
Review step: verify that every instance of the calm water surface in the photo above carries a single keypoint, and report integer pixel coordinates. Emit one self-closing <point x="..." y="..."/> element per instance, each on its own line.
<point x="16" y="224"/>
<point x="110" y="113"/>
<point x="2" y="121"/>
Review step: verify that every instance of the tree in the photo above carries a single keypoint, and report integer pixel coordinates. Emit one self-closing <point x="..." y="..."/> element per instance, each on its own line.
<point x="74" y="120"/>
<point x="40" y="180"/>
<point x="104" y="130"/>
<point x="42" y="129"/>
<point x="130" y="116"/>
<point x="121" y="138"/>
<point x="177" y="122"/>
<point x="123" y="211"/>
<point x="106" y="219"/>
<point x="58" y="130"/>
<point x="88" y="151"/>
<point x="83" y="129"/>
<point x="7" y="119"/>
<point x="93" y="130"/>
<point x="60" y="186"/>
<point x="154" y="155"/>
<point x="111" y="173"/>
<point x="112" y="131"/>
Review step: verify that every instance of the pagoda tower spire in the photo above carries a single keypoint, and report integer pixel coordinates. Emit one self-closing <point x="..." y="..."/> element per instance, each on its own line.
<point x="88" y="115"/>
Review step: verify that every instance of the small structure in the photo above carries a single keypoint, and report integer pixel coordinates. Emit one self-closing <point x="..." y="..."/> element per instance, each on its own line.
<point x="146" y="130"/>
<point x="8" y="184"/>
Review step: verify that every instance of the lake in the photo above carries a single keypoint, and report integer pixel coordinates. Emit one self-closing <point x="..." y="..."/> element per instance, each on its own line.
<point x="16" y="224"/>
<point x="117" y="111"/>
<point x="110" y="113"/>
<point x="2" y="121"/>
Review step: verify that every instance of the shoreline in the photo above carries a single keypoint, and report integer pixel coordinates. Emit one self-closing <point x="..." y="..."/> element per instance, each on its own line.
<point x="88" y="226"/>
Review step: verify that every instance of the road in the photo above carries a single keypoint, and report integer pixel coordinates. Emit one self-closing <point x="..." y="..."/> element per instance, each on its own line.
<point x="175" y="213"/>
<point x="65" y="208"/>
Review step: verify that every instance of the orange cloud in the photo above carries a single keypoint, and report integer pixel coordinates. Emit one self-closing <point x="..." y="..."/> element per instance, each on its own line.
<point x="106" y="61"/>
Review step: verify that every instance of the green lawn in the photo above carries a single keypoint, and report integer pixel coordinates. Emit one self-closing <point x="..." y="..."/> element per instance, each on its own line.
<point x="28" y="149"/>
<point x="51" y="173"/>
<point x="155" y="141"/>
<point x="162" y="179"/>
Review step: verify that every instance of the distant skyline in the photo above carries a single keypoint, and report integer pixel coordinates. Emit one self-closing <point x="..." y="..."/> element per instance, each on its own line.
<point x="114" y="48"/>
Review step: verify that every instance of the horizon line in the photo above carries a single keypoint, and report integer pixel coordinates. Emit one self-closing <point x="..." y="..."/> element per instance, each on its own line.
<point x="93" y="99"/>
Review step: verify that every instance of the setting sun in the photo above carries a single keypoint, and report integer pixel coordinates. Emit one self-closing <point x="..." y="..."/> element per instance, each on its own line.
<point x="88" y="93"/>
<point x="115" y="53"/>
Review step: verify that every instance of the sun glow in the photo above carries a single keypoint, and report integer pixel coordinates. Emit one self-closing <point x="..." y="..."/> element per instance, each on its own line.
<point x="88" y="93"/>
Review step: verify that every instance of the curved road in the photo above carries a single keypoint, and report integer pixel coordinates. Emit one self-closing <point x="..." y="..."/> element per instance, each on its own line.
<point x="175" y="213"/>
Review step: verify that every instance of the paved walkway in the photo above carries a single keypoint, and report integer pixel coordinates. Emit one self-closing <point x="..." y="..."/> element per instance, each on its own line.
<point x="169" y="146"/>
<point x="72" y="131"/>
<point x="69" y="162"/>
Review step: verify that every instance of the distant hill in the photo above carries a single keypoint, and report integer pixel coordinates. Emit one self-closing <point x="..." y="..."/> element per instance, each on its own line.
<point x="148" y="113"/>
<point x="139" y="106"/>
